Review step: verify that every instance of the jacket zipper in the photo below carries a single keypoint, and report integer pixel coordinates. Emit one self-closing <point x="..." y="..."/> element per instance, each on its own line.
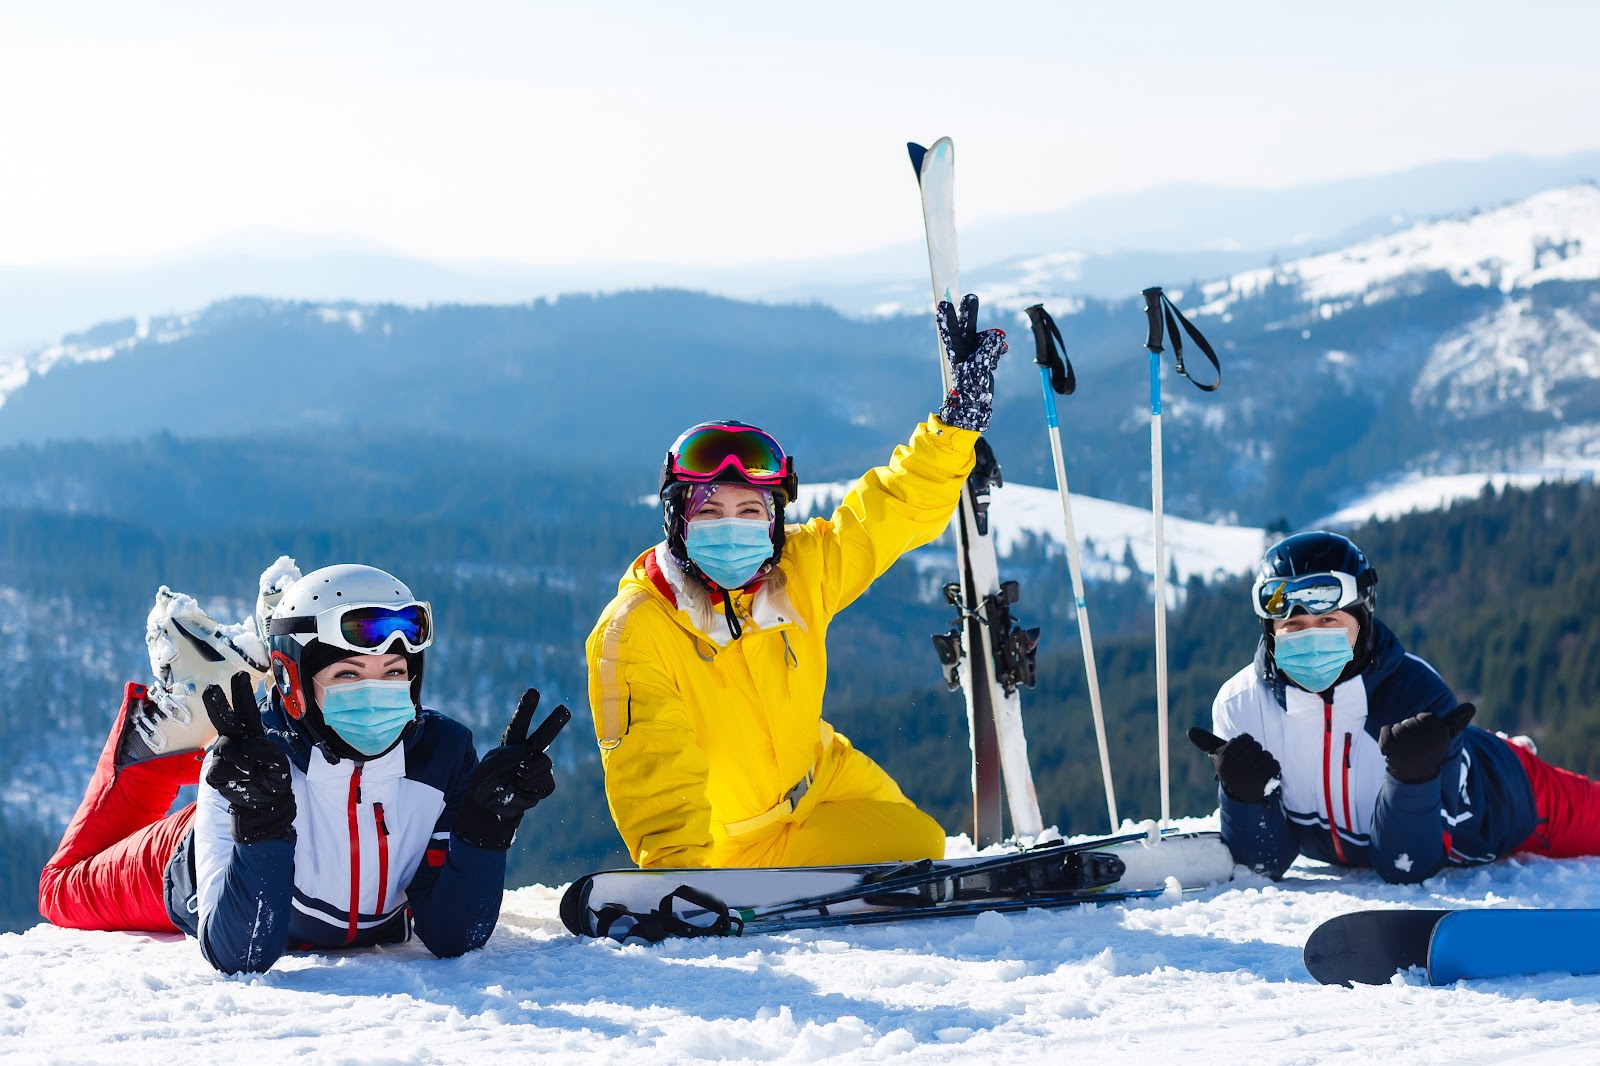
<point x="1327" y="775"/>
<point x="383" y="855"/>
<point x="1344" y="784"/>
<point x="353" y="808"/>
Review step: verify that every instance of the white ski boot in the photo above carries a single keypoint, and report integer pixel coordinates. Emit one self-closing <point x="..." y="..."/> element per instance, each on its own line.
<point x="188" y="652"/>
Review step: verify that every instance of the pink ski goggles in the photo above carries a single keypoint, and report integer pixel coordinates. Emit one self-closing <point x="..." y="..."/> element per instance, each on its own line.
<point x="706" y="453"/>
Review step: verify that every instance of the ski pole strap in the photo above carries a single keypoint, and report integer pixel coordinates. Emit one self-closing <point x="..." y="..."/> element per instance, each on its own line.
<point x="1050" y="351"/>
<point x="1160" y="313"/>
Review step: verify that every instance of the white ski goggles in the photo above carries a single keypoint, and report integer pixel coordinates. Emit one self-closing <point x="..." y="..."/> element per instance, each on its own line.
<point x="364" y="627"/>
<point x="1279" y="597"/>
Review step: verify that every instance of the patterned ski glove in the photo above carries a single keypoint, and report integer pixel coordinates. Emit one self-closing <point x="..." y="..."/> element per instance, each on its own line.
<point x="250" y="771"/>
<point x="511" y="779"/>
<point x="973" y="356"/>
<point x="1247" y="771"/>
<point x="1416" y="747"/>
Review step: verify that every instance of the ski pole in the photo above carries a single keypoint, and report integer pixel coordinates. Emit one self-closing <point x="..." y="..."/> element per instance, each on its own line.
<point x="1158" y="312"/>
<point x="1056" y="377"/>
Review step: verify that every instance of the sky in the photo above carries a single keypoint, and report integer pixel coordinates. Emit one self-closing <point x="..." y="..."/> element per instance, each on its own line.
<point x="718" y="133"/>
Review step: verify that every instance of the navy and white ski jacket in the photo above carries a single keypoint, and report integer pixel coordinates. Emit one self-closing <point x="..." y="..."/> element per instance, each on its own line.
<point x="1338" y="802"/>
<point x="372" y="859"/>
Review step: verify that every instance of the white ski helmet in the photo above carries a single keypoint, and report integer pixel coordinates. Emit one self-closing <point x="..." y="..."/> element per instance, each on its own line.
<point x="332" y="614"/>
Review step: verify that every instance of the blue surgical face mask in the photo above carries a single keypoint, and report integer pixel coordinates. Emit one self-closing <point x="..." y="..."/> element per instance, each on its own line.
<point x="1313" y="658"/>
<point x="729" y="550"/>
<point x="368" y="715"/>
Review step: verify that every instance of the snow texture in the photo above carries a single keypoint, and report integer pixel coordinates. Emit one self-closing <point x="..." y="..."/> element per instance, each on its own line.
<point x="1212" y="977"/>
<point x="1435" y="493"/>
<point x="1106" y="531"/>
<point x="1551" y="236"/>
<point x="1516" y="356"/>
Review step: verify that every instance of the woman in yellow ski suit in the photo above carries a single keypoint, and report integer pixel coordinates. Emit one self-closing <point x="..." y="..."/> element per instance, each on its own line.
<point x="707" y="696"/>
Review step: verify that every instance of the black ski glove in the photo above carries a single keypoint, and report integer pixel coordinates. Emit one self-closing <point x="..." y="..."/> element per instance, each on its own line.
<point x="973" y="356"/>
<point x="1416" y="747"/>
<point x="250" y="771"/>
<point x="511" y="779"/>
<point x="1244" y="767"/>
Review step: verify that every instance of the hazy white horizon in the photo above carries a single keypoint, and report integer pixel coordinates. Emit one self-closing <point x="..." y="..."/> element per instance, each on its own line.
<point x="520" y="132"/>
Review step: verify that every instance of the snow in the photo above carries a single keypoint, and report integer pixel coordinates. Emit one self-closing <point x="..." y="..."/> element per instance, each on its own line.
<point x="1210" y="977"/>
<point x="1105" y="530"/>
<point x="1434" y="493"/>
<point x="1551" y="236"/>
<point x="1513" y="356"/>
<point x="17" y="371"/>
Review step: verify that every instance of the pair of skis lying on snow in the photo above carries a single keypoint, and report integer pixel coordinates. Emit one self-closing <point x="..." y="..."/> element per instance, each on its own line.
<point x="653" y="905"/>
<point x="1364" y="947"/>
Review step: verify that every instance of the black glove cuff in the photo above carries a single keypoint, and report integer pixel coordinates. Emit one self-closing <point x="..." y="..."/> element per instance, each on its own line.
<point x="277" y="821"/>
<point x="482" y="828"/>
<point x="1258" y="800"/>
<point x="1409" y="775"/>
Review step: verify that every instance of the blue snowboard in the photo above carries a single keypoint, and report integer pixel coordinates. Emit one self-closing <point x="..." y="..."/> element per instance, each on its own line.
<point x="1369" y="947"/>
<point x="1468" y="945"/>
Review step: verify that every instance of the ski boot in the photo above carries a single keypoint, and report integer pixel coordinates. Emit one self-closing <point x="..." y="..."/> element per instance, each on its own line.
<point x="188" y="652"/>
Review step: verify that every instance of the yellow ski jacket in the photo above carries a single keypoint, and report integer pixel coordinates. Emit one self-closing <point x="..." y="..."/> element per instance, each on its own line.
<point x="704" y="737"/>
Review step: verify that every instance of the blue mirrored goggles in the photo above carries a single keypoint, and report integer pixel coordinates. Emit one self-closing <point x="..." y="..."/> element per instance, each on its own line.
<point x="364" y="627"/>
<point x="1279" y="597"/>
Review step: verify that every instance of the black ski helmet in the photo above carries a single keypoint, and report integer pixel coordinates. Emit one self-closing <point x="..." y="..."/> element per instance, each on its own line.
<point x="723" y="453"/>
<point x="1322" y="552"/>
<point x="297" y="653"/>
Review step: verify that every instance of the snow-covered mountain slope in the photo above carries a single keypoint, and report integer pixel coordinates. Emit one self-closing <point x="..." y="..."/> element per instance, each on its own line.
<point x="1434" y="493"/>
<point x="1552" y="236"/>
<point x="1106" y="531"/>
<point x="1517" y="355"/>
<point x="94" y="346"/>
<point x="1211" y="978"/>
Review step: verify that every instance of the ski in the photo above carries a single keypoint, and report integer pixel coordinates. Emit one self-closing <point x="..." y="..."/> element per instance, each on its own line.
<point x="1477" y="944"/>
<point x="652" y="905"/>
<point x="986" y="654"/>
<point x="1370" y="947"/>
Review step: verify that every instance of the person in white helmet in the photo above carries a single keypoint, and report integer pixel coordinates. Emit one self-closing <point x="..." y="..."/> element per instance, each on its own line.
<point x="337" y="811"/>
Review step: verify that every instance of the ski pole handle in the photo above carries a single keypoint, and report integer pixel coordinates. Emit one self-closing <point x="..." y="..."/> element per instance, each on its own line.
<point x="1152" y="311"/>
<point x="1049" y="352"/>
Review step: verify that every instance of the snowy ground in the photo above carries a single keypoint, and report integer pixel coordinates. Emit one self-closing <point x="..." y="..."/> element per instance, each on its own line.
<point x="1215" y="977"/>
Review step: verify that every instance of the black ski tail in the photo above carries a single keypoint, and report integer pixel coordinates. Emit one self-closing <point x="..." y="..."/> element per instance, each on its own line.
<point x="1369" y="947"/>
<point x="917" y="154"/>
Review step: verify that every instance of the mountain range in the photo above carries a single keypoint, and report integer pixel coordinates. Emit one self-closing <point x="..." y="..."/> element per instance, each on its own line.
<point x="1113" y="244"/>
<point x="1462" y="344"/>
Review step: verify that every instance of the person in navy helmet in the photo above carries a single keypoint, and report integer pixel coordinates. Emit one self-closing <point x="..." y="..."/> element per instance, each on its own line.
<point x="1338" y="744"/>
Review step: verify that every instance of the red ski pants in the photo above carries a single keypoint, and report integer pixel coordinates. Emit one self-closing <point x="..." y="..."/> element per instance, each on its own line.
<point x="1569" y="809"/>
<point x="109" y="871"/>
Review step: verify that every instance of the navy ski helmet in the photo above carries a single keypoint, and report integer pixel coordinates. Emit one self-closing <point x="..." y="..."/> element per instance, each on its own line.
<point x="1316" y="573"/>
<point x="724" y="453"/>
<point x="333" y="614"/>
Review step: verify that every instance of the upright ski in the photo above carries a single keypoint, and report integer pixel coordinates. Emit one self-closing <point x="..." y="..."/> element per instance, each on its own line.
<point x="985" y="654"/>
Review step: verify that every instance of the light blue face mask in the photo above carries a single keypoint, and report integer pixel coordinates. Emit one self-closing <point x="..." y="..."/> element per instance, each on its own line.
<point x="1313" y="658"/>
<point x="729" y="550"/>
<point x="368" y="715"/>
